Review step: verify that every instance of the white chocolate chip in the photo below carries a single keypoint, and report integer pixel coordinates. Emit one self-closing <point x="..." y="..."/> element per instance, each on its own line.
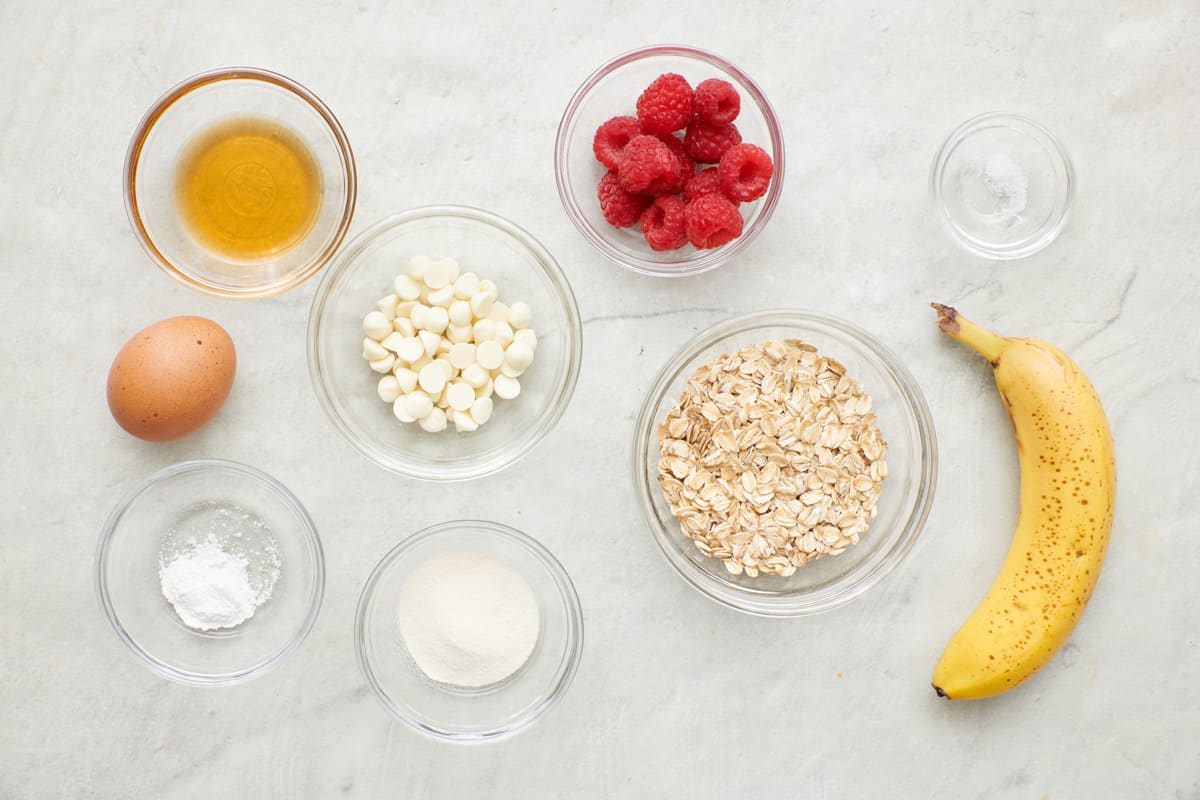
<point x="373" y="350"/>
<point x="458" y="333"/>
<point x="418" y="404"/>
<point x="441" y="273"/>
<point x="526" y="336"/>
<point x="387" y="306"/>
<point x="518" y="356"/>
<point x="507" y="388"/>
<point x="421" y="362"/>
<point x="404" y="326"/>
<point x="393" y="341"/>
<point x="460" y="313"/>
<point x="437" y="319"/>
<point x="464" y="422"/>
<point x="460" y="396"/>
<point x="498" y="312"/>
<point x="389" y="388"/>
<point x="382" y="365"/>
<point x="462" y="355"/>
<point x="404" y="309"/>
<point x="431" y="378"/>
<point x="444" y="346"/>
<point x="466" y="285"/>
<point x="481" y="409"/>
<point x="416" y="267"/>
<point x="482" y="302"/>
<point x="401" y="412"/>
<point x="475" y="375"/>
<point x="411" y="349"/>
<point x="434" y="421"/>
<point x="407" y="288"/>
<point x="520" y="316"/>
<point x="487" y="388"/>
<point x="510" y="371"/>
<point x="490" y="288"/>
<point x="490" y="355"/>
<point x="483" y="331"/>
<point x="504" y="334"/>
<point x="442" y="297"/>
<point x="376" y="325"/>
<point x="448" y="369"/>
<point x="406" y="379"/>
<point x="429" y="341"/>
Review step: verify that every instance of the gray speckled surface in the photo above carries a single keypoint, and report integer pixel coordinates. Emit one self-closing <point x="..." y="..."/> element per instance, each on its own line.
<point x="676" y="696"/>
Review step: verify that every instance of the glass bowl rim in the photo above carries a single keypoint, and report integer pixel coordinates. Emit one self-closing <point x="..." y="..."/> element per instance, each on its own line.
<point x="703" y="260"/>
<point x="729" y="594"/>
<point x="133" y="159"/>
<point x="288" y="499"/>
<point x="1035" y="242"/>
<point x="566" y="590"/>
<point x="463" y="469"/>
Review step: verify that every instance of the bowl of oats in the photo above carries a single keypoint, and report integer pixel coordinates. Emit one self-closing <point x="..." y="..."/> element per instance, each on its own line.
<point x="785" y="462"/>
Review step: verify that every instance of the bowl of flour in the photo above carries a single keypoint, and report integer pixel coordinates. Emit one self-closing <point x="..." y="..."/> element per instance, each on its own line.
<point x="468" y="631"/>
<point x="210" y="572"/>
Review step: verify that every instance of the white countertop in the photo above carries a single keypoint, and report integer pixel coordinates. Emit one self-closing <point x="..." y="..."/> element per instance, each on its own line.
<point x="676" y="696"/>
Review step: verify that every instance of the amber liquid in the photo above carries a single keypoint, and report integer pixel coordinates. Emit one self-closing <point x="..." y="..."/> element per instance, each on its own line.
<point x="248" y="189"/>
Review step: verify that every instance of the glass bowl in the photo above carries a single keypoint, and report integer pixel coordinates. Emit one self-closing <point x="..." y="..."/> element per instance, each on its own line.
<point x="611" y="91"/>
<point x="177" y="499"/>
<point x="907" y="492"/>
<point x="1003" y="186"/>
<point x="462" y="714"/>
<point x="364" y="271"/>
<point x="189" y="111"/>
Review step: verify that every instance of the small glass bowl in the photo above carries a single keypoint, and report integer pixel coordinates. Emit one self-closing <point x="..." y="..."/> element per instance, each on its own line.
<point x="1003" y="186"/>
<point x="365" y="270"/>
<point x="904" y="504"/>
<point x="191" y="108"/>
<point x="612" y="91"/>
<point x="460" y="714"/>
<point x="127" y="580"/>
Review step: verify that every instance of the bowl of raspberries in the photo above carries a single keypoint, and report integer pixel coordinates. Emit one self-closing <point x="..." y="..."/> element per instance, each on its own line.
<point x="669" y="160"/>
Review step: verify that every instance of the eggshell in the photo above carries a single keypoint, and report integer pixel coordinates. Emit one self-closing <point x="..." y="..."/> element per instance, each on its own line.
<point x="171" y="378"/>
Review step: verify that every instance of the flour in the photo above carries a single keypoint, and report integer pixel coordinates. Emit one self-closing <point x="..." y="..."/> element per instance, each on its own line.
<point x="217" y="565"/>
<point x="468" y="619"/>
<point x="1007" y="182"/>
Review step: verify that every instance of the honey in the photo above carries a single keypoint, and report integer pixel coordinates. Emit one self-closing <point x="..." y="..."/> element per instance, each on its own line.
<point x="248" y="189"/>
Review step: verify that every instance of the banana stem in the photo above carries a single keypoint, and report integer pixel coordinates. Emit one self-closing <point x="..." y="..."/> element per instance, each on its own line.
<point x="956" y="326"/>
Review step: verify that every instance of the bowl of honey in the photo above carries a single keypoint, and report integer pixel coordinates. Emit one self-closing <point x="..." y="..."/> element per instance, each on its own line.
<point x="240" y="183"/>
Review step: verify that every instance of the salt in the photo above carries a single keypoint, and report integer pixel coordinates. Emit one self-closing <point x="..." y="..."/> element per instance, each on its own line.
<point x="1007" y="183"/>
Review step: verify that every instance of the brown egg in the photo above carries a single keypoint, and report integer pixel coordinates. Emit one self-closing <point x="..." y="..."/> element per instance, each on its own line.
<point x="171" y="378"/>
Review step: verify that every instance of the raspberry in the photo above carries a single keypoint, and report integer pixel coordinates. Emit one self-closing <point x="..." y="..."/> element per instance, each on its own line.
<point x="666" y="105"/>
<point x="611" y="138"/>
<point x="620" y="208"/>
<point x="716" y="102"/>
<point x="711" y="221"/>
<point x="707" y="143"/>
<point x="663" y="223"/>
<point x="706" y="181"/>
<point x="686" y="167"/>
<point x="647" y="166"/>
<point x="745" y="172"/>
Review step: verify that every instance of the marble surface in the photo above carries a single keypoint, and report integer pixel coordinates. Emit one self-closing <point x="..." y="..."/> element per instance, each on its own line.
<point x="676" y="696"/>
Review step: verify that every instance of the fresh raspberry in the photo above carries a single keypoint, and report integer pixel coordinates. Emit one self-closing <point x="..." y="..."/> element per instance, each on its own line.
<point x="716" y="102"/>
<point x="711" y="221"/>
<point x="666" y="105"/>
<point x="620" y="208"/>
<point x="707" y="143"/>
<point x="745" y="172"/>
<point x="686" y="167"/>
<point x="647" y="166"/>
<point x="706" y="181"/>
<point x="611" y="138"/>
<point x="663" y="223"/>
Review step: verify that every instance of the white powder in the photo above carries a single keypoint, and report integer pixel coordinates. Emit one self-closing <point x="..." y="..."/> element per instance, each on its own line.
<point x="468" y="619"/>
<point x="1007" y="183"/>
<point x="217" y="564"/>
<point x="209" y="588"/>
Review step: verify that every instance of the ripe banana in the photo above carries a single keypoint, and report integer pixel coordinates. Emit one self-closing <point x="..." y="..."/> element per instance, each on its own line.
<point x="1068" y="488"/>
